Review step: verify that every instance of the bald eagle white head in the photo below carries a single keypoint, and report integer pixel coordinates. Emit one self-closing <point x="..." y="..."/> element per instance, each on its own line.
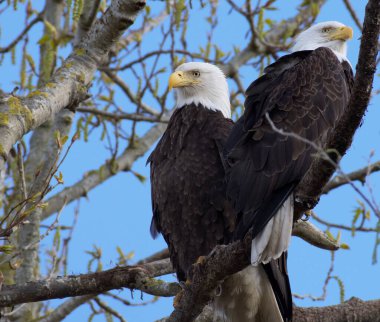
<point x="330" y="34"/>
<point x="201" y="84"/>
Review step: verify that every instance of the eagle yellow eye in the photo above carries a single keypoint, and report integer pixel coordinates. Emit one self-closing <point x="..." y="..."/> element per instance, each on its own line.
<point x="196" y="73"/>
<point x="324" y="30"/>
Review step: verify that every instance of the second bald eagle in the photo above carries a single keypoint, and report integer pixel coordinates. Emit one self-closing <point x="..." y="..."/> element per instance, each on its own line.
<point x="212" y="182"/>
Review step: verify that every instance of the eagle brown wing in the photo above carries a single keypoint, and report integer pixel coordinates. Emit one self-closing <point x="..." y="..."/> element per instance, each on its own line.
<point x="188" y="185"/>
<point x="304" y="93"/>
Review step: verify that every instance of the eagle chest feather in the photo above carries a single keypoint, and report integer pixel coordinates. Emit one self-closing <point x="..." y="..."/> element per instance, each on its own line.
<point x="188" y="185"/>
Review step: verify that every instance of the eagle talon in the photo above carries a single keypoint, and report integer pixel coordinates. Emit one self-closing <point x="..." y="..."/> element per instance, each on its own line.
<point x="307" y="215"/>
<point x="201" y="260"/>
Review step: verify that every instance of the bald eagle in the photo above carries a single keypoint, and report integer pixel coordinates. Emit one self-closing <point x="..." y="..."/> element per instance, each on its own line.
<point x="213" y="182"/>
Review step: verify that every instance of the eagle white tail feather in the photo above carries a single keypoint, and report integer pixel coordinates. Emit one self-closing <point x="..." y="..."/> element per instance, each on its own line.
<point x="247" y="296"/>
<point x="274" y="239"/>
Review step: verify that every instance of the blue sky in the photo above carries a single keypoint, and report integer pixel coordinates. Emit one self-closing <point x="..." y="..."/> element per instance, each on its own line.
<point x="118" y="212"/>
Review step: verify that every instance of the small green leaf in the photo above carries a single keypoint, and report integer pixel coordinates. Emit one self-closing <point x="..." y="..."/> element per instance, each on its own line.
<point x="338" y="236"/>
<point x="59" y="178"/>
<point x="7" y="249"/>
<point x="330" y="235"/>
<point x="57" y="238"/>
<point x="341" y="287"/>
<point x="344" y="246"/>
<point x="64" y="140"/>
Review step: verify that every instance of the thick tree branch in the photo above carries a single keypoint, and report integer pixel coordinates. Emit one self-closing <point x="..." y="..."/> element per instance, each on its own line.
<point x="139" y="277"/>
<point x="311" y="186"/>
<point x="205" y="275"/>
<point x="311" y="234"/>
<point x="353" y="310"/>
<point x="69" y="84"/>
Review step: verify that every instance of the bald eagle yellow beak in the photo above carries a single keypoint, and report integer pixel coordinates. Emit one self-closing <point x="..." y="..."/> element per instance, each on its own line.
<point x="342" y="33"/>
<point x="180" y="79"/>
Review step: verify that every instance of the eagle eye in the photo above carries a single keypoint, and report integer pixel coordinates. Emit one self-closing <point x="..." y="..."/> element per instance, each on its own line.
<point x="196" y="73"/>
<point x="326" y="29"/>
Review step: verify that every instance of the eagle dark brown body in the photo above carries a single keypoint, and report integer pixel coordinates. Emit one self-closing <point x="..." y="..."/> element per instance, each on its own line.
<point x="188" y="185"/>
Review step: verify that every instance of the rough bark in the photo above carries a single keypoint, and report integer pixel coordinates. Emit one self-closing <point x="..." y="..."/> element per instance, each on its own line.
<point x="354" y="310"/>
<point x="134" y="277"/>
<point x="43" y="153"/>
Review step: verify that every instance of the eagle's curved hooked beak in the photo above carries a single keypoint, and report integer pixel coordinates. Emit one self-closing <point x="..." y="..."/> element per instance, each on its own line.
<point x="179" y="79"/>
<point x="342" y="33"/>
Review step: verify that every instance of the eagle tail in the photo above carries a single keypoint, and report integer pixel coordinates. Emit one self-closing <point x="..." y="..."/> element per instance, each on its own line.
<point x="274" y="239"/>
<point x="277" y="274"/>
<point x="247" y="296"/>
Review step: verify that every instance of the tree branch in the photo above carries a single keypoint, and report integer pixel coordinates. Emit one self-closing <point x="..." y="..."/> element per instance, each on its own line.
<point x="359" y="175"/>
<point x="124" y="116"/>
<point x="139" y="277"/>
<point x="349" y="311"/>
<point x="311" y="234"/>
<point x="353" y="310"/>
<point x="66" y="308"/>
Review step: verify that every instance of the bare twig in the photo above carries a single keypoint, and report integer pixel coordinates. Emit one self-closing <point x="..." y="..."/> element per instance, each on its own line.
<point x="322" y="297"/>
<point x="124" y="116"/>
<point x="353" y="14"/>
<point x="22" y="34"/>
<point x="359" y="175"/>
<point x="66" y="308"/>
<point x="340" y="226"/>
